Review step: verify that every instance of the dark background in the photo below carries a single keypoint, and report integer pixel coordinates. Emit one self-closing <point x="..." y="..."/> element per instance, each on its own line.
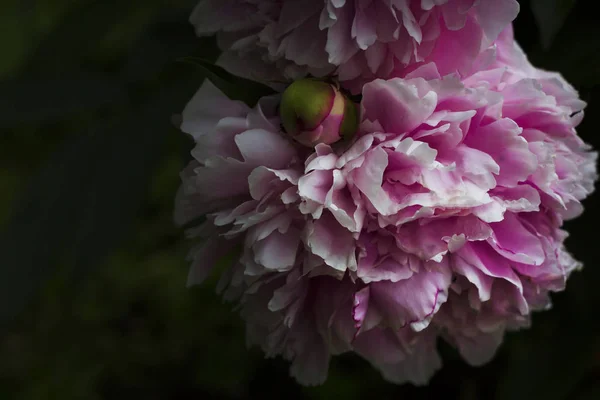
<point x="93" y="303"/>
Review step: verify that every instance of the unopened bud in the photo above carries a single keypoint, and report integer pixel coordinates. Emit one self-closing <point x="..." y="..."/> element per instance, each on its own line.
<point x="313" y="112"/>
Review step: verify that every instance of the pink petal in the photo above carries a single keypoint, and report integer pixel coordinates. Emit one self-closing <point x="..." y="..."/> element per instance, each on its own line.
<point x="334" y="244"/>
<point x="413" y="301"/>
<point x="397" y="104"/>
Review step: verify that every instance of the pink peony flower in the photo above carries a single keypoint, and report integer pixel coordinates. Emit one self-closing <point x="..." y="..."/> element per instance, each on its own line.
<point x="358" y="40"/>
<point x="440" y="220"/>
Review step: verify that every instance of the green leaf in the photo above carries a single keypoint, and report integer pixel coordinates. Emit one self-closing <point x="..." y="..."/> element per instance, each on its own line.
<point x="550" y="16"/>
<point x="235" y="87"/>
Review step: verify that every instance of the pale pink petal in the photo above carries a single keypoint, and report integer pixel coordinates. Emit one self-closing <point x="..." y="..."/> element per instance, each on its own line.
<point x="334" y="244"/>
<point x="413" y="301"/>
<point x="397" y="104"/>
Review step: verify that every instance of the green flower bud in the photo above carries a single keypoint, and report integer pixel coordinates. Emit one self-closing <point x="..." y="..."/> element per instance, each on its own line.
<point x="313" y="111"/>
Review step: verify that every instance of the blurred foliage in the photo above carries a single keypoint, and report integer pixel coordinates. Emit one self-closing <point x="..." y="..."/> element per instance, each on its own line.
<point x="235" y="87"/>
<point x="93" y="298"/>
<point x="550" y="16"/>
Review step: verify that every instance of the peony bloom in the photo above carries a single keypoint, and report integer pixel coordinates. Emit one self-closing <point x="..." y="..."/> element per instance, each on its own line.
<point x="439" y="220"/>
<point x="357" y="40"/>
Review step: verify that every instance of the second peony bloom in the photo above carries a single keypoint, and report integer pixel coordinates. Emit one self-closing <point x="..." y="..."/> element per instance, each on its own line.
<point x="357" y="41"/>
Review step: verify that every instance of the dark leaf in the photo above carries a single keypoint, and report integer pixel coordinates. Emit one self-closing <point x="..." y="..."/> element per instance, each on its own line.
<point x="550" y="16"/>
<point x="234" y="87"/>
<point x="163" y="43"/>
